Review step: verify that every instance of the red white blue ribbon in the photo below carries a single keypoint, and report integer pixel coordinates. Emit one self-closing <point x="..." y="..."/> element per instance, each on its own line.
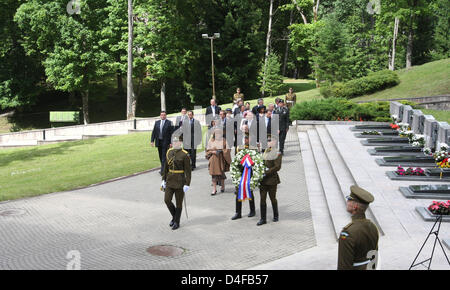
<point x="244" y="191"/>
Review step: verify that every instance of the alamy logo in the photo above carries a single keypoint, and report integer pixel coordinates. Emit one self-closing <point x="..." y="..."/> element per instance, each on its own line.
<point x="73" y="7"/>
<point x="374" y="7"/>
<point x="74" y="258"/>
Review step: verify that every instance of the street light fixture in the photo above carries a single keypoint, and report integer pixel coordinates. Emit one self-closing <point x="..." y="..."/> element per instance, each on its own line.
<point x="214" y="36"/>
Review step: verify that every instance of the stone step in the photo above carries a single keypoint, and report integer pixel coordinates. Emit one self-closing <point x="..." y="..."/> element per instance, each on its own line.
<point x="331" y="188"/>
<point x="384" y="208"/>
<point x="19" y="143"/>
<point x="323" y="225"/>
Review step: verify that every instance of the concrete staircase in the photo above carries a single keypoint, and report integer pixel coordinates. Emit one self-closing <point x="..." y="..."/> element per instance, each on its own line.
<point x="330" y="173"/>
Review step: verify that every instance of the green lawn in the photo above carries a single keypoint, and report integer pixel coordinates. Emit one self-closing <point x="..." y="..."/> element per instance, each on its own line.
<point x="430" y="79"/>
<point x="441" y="116"/>
<point x="26" y="172"/>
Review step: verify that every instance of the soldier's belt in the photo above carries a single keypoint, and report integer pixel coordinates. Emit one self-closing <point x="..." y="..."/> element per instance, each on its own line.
<point x="289" y="101"/>
<point x="361" y="263"/>
<point x="176" y="171"/>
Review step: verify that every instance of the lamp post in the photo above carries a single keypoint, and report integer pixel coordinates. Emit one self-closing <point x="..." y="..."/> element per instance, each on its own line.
<point x="214" y="36"/>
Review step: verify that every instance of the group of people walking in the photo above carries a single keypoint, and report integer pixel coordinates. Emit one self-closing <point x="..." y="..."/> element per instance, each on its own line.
<point x="358" y="241"/>
<point x="231" y="128"/>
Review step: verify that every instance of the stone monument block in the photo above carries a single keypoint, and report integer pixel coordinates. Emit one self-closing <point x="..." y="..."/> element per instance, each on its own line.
<point x="407" y="113"/>
<point x="430" y="131"/>
<point x="443" y="135"/>
<point x="394" y="109"/>
<point x="415" y="124"/>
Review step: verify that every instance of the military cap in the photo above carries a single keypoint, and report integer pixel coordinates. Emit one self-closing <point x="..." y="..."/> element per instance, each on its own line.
<point x="281" y="101"/>
<point x="360" y="195"/>
<point x="177" y="139"/>
<point x="228" y="110"/>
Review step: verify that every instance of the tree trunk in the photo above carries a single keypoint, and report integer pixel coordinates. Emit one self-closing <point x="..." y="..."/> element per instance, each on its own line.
<point x="269" y="32"/>
<point x="394" y="41"/>
<point x="130" y="93"/>
<point x="136" y="97"/>
<point x="409" y="48"/>
<point x="85" y="99"/>
<point x="286" y="51"/>
<point x="163" y="96"/>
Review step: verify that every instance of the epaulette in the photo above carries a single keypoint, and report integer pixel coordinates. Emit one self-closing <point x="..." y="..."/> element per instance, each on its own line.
<point x="347" y="226"/>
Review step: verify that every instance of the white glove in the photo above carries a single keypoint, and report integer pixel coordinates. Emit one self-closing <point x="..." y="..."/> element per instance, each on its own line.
<point x="185" y="188"/>
<point x="163" y="184"/>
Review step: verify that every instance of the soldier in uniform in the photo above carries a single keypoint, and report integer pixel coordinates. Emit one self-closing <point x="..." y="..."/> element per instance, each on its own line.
<point x="358" y="241"/>
<point x="291" y="99"/>
<point x="176" y="179"/>
<point x="272" y="161"/>
<point x="238" y="213"/>
<point x="238" y="96"/>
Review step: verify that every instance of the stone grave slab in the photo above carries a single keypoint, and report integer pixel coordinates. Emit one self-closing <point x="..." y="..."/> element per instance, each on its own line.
<point x="438" y="191"/>
<point x="429" y="217"/>
<point x="407" y="161"/>
<point x="395" y="150"/>
<point x="387" y="141"/>
<point x="430" y="175"/>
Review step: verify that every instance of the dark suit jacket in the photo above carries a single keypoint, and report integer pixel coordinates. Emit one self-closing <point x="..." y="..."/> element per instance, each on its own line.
<point x="209" y="110"/>
<point x="195" y="139"/>
<point x="166" y="133"/>
<point x="178" y="121"/>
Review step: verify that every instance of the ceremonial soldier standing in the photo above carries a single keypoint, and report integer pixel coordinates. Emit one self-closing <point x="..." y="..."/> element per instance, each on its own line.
<point x="238" y="213"/>
<point x="238" y="96"/>
<point x="176" y="179"/>
<point x="272" y="161"/>
<point x="291" y="99"/>
<point x="358" y="241"/>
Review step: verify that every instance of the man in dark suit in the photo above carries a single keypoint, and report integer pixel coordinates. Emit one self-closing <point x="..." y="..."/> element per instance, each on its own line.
<point x="283" y="113"/>
<point x="161" y="137"/>
<point x="212" y="112"/>
<point x="193" y="139"/>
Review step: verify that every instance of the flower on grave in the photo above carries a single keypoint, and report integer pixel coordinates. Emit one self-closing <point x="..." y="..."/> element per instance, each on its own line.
<point x="409" y="171"/>
<point x="440" y="208"/>
<point x="394" y="126"/>
<point x="400" y="170"/>
<point x="419" y="171"/>
<point x="427" y="151"/>
<point x="394" y="119"/>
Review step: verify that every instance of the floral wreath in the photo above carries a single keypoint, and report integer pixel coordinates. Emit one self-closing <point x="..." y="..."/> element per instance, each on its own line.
<point x="258" y="169"/>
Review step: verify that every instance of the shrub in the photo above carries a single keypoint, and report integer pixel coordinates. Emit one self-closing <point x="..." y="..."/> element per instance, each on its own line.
<point x="333" y="109"/>
<point x="373" y="82"/>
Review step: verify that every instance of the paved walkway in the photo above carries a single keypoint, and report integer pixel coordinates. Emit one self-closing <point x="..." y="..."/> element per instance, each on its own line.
<point x="113" y="224"/>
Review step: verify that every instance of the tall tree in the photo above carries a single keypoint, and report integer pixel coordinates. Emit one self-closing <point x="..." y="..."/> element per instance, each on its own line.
<point x="68" y="44"/>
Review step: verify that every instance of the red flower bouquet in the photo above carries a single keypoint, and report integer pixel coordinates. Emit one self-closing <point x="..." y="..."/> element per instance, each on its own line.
<point x="440" y="208"/>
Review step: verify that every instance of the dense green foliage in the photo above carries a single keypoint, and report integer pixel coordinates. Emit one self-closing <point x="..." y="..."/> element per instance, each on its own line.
<point x="333" y="109"/>
<point x="47" y="51"/>
<point x="373" y="82"/>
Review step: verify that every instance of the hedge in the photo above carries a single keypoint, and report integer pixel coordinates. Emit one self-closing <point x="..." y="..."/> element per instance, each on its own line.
<point x="333" y="109"/>
<point x="373" y="82"/>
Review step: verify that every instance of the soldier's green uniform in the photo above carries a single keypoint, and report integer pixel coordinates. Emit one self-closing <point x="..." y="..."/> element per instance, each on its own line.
<point x="177" y="173"/>
<point x="358" y="238"/>
<point x="237" y="97"/>
<point x="291" y="100"/>
<point x="272" y="160"/>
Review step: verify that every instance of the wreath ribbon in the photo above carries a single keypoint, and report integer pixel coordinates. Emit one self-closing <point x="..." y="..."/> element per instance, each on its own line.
<point x="244" y="191"/>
